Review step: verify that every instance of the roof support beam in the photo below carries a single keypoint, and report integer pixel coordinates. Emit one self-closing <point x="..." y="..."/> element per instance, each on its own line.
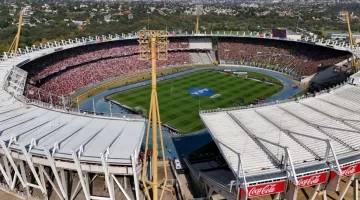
<point x="55" y="172"/>
<point x="288" y="159"/>
<point x="32" y="168"/>
<point x="64" y="183"/>
<point x="286" y="132"/>
<point x="77" y="189"/>
<point x="81" y="177"/>
<point x="273" y="159"/>
<point x="5" y="175"/>
<point x="348" y="183"/>
<point x="107" y="177"/>
<point x="136" y="179"/>
<point x="23" y="174"/>
<point x="51" y="182"/>
<point x="42" y="178"/>
<point x="316" y="192"/>
<point x="121" y="188"/>
<point x="14" y="166"/>
<point x="239" y="170"/>
<point x="356" y="189"/>
<point x="329" y="148"/>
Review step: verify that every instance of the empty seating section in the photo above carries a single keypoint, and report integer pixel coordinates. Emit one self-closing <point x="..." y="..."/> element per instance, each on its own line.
<point x="228" y="132"/>
<point x="200" y="43"/>
<point x="205" y="58"/>
<point x="334" y="128"/>
<point x="196" y="58"/>
<point x="251" y="120"/>
<point x="200" y="58"/>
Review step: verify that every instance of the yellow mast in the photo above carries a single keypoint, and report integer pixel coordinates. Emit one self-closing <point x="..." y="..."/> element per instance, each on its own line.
<point x="15" y="44"/>
<point x="153" y="46"/>
<point x="354" y="61"/>
<point x="197" y="25"/>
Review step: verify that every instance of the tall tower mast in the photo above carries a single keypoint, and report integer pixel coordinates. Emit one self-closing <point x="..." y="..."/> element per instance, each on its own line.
<point x="354" y="60"/>
<point x="198" y="12"/>
<point x="15" y="44"/>
<point x="153" y="45"/>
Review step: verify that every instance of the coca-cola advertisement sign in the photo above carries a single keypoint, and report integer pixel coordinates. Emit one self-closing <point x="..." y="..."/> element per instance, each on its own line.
<point x="264" y="189"/>
<point x="310" y="180"/>
<point x="350" y="170"/>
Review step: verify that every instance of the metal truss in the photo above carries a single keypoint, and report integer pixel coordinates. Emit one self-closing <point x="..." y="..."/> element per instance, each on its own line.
<point x="55" y="176"/>
<point x="288" y="164"/>
<point x="240" y="170"/>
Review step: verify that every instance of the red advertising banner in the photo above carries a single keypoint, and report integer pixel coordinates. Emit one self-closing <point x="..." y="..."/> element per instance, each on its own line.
<point x="264" y="189"/>
<point x="307" y="181"/>
<point x="347" y="170"/>
<point x="351" y="169"/>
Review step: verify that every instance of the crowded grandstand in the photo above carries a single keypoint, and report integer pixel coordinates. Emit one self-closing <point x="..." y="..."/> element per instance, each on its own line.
<point x="280" y="143"/>
<point x="61" y="74"/>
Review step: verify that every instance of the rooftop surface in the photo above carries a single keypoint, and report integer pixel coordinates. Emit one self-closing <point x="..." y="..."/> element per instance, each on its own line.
<point x="258" y="133"/>
<point x="41" y="128"/>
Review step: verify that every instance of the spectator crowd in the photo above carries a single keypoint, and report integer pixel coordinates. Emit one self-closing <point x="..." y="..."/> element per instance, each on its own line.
<point x="58" y="75"/>
<point x="68" y="81"/>
<point x="304" y="59"/>
<point x="58" y="61"/>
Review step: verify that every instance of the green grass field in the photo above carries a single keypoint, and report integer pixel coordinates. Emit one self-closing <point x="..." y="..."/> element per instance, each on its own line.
<point x="181" y="109"/>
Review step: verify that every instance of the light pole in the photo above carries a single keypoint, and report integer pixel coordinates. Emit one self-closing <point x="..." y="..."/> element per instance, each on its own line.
<point x="153" y="45"/>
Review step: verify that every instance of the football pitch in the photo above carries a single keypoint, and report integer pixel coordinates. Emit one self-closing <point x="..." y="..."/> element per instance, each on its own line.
<point x="180" y="109"/>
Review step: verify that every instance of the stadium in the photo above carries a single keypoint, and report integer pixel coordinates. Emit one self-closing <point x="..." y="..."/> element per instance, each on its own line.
<point x="72" y="116"/>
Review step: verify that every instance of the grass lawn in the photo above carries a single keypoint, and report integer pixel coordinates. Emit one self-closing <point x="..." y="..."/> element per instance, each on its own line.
<point x="181" y="109"/>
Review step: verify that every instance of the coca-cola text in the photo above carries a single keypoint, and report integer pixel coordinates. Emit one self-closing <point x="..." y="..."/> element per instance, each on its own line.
<point x="312" y="180"/>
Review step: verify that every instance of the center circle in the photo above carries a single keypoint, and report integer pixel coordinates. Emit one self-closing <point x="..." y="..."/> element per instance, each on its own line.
<point x="201" y="92"/>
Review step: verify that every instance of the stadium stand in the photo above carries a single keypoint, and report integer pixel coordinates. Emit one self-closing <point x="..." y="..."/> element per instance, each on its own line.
<point x="61" y="60"/>
<point x="259" y="133"/>
<point x="256" y="135"/>
<point x="71" y="79"/>
<point x="205" y="58"/>
<point x="304" y="59"/>
<point x="301" y="126"/>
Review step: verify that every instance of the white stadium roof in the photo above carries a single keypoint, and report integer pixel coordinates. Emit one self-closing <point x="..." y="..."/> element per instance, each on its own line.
<point x="62" y="132"/>
<point x="257" y="133"/>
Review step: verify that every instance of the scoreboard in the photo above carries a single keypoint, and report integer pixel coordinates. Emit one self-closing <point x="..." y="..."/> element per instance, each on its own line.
<point x="280" y="33"/>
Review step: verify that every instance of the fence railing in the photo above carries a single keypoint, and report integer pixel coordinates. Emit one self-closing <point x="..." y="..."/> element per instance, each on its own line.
<point x="77" y="111"/>
<point x="70" y="43"/>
